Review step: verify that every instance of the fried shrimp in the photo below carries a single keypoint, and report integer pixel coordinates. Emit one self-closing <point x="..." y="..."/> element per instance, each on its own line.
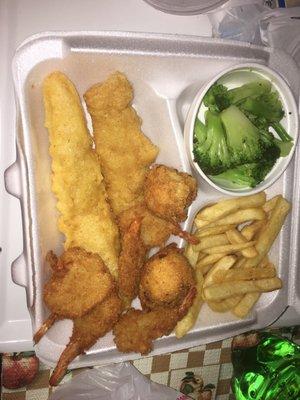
<point x="86" y="331"/>
<point x="166" y="279"/>
<point x="132" y="257"/>
<point x="80" y="280"/>
<point x="168" y="193"/>
<point x="155" y="231"/>
<point x="85" y="216"/>
<point x="136" y="329"/>
<point x="125" y="153"/>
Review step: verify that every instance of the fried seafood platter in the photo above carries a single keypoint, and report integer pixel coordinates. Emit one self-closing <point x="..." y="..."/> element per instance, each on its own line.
<point x="128" y="269"/>
<point x="119" y="211"/>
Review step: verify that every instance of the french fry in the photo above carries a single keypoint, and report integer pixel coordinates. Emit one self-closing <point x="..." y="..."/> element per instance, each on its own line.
<point x="220" y="266"/>
<point x="269" y="233"/>
<point x="228" y="248"/>
<point x="209" y="260"/>
<point x="191" y="254"/>
<point x="201" y="255"/>
<point x="270" y="204"/>
<point x="240" y="216"/>
<point x="200" y="223"/>
<point x="234" y="236"/>
<point x="224" y="305"/>
<point x="264" y="262"/>
<point x="228" y="206"/>
<point x="228" y="289"/>
<point x="187" y="322"/>
<point x="242" y="309"/>
<point x="206" y="269"/>
<point x="249" y="231"/>
<point x="243" y="274"/>
<point x="209" y="241"/>
<point x="240" y="262"/>
<point x="213" y="230"/>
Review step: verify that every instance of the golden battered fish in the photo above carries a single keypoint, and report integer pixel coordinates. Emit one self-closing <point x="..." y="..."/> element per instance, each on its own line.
<point x="125" y="153"/>
<point x="86" y="219"/>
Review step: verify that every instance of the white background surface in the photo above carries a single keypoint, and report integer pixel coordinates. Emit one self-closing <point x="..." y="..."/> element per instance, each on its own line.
<point x="18" y="20"/>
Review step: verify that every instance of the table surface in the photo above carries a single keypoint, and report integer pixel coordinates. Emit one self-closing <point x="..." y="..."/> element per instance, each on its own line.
<point x="211" y="365"/>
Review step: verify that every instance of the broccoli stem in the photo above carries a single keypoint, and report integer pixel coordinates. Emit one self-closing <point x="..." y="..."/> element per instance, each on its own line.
<point x="281" y="132"/>
<point x="252" y="89"/>
<point x="259" y="108"/>
<point x="243" y="137"/>
<point x="200" y="132"/>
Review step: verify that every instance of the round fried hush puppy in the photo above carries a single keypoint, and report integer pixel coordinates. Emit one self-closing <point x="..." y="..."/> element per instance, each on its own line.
<point x="168" y="192"/>
<point x="80" y="280"/>
<point x="166" y="279"/>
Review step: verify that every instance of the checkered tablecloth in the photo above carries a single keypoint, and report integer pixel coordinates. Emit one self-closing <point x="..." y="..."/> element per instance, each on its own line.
<point x="210" y="363"/>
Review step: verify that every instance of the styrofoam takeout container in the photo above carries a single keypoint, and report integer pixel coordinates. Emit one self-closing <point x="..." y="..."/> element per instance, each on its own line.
<point x="166" y="72"/>
<point x="234" y="77"/>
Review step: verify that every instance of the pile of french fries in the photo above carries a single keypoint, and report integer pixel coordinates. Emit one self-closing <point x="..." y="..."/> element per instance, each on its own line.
<point x="231" y="260"/>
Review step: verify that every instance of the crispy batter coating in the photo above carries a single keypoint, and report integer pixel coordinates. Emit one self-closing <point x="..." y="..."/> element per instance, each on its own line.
<point x="124" y="152"/>
<point x="166" y="279"/>
<point x="155" y="231"/>
<point x="86" y="331"/>
<point x="131" y="260"/>
<point x="85" y="216"/>
<point x="80" y="280"/>
<point x="136" y="329"/>
<point x="168" y="192"/>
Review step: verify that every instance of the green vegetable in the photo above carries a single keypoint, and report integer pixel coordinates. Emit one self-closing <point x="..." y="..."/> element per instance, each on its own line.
<point x="285" y="147"/>
<point x="235" y="146"/>
<point x="252" y="89"/>
<point x="218" y="97"/>
<point x="243" y="138"/>
<point x="200" y="132"/>
<point x="213" y="155"/>
<point x="268" y="108"/>
<point x="243" y="176"/>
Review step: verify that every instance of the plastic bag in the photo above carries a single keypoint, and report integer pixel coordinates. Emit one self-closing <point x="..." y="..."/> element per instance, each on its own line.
<point x="238" y="20"/>
<point x="281" y="29"/>
<point x="114" y="382"/>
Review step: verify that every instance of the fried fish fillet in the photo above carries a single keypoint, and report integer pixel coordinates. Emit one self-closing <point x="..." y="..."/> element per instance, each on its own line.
<point x="85" y="218"/>
<point x="125" y="153"/>
<point x="80" y="280"/>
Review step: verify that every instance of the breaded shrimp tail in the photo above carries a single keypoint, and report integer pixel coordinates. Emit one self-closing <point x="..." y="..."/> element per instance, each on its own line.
<point x="86" y="331"/>
<point x="124" y="152"/>
<point x="86" y="219"/>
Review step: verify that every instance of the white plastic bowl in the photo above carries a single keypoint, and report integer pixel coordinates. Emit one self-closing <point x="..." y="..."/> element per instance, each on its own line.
<point x="234" y="77"/>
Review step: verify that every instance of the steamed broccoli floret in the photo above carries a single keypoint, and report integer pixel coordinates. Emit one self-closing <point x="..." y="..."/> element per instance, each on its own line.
<point x="268" y="108"/>
<point x="252" y="89"/>
<point x="213" y="155"/>
<point x="200" y="132"/>
<point x="284" y="147"/>
<point x="243" y="138"/>
<point x="243" y="176"/>
<point x="218" y="97"/>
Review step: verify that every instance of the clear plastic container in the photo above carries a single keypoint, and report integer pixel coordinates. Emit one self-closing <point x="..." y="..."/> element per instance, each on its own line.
<point x="185" y="7"/>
